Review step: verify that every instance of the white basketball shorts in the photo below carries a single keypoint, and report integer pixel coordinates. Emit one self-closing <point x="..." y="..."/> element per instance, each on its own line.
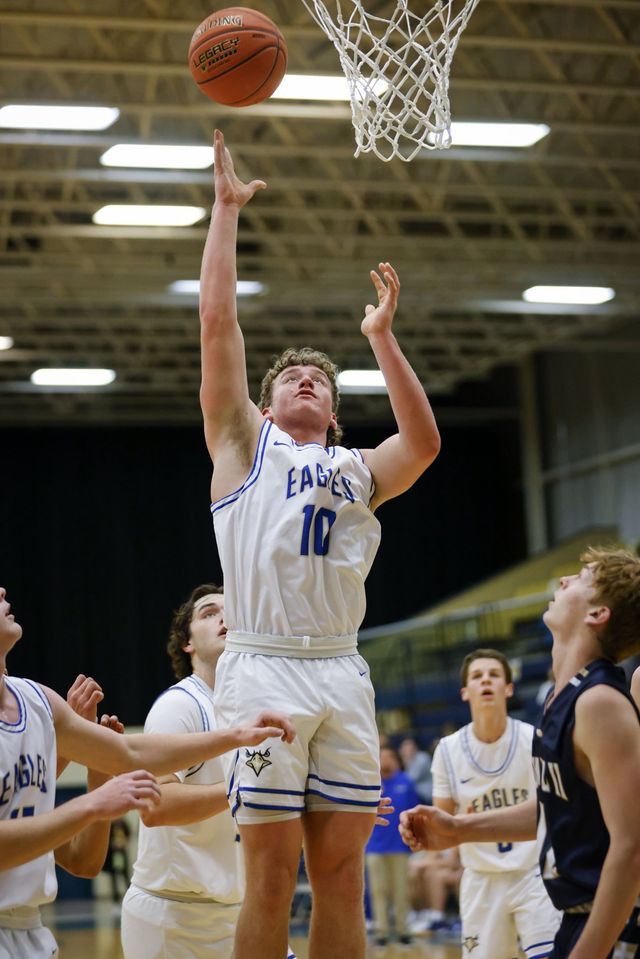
<point x="35" y="943"/>
<point x="497" y="908"/>
<point x="334" y="761"/>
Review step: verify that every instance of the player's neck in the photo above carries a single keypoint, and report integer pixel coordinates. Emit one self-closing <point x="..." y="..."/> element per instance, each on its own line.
<point x="206" y="672"/>
<point x="303" y="432"/>
<point x="571" y="654"/>
<point x="489" y="724"/>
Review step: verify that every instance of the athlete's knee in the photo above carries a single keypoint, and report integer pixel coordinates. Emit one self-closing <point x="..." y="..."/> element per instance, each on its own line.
<point x="272" y="884"/>
<point x="342" y="879"/>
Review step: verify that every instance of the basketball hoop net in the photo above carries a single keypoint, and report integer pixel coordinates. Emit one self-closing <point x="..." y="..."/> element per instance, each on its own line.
<point x="397" y="70"/>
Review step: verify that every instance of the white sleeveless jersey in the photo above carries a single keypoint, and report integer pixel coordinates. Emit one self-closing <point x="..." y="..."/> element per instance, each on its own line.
<point x="203" y="858"/>
<point x="297" y="540"/>
<point x="28" y="788"/>
<point x="483" y="776"/>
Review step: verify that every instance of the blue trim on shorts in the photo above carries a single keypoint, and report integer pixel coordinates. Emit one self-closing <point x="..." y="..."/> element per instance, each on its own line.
<point x="255" y="805"/>
<point x="547" y="944"/>
<point x="233" y="775"/>
<point x="339" y="799"/>
<point x="283" y="792"/>
<point x="333" y="782"/>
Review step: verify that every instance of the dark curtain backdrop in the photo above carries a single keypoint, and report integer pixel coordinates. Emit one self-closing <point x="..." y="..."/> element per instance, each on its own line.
<point x="105" y="531"/>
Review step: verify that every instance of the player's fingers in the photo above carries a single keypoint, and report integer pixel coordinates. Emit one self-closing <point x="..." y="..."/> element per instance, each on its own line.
<point x="77" y="683"/>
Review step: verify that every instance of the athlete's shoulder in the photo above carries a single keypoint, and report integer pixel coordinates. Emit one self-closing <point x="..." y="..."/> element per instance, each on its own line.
<point x="524" y="730"/>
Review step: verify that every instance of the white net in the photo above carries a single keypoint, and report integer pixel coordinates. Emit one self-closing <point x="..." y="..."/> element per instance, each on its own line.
<point x="398" y="71"/>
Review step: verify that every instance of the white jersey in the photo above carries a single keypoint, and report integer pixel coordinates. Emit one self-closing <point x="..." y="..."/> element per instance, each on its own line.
<point x="28" y="788"/>
<point x="482" y="776"/>
<point x="202" y="858"/>
<point x="297" y="540"/>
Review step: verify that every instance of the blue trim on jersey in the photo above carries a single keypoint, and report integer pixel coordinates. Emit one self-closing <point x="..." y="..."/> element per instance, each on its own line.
<point x="506" y="762"/>
<point x="20" y="725"/>
<point x="180" y="689"/>
<point x="193" y="770"/>
<point x="254" y="473"/>
<point x="339" y="799"/>
<point x="357" y="453"/>
<point x="41" y="694"/>
<point x="453" y="783"/>
<point x="333" y="782"/>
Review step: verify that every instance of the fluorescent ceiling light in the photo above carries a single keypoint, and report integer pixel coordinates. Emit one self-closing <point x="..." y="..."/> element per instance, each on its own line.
<point x="464" y="133"/>
<point x="131" y="214"/>
<point x="6" y="342"/>
<point x="361" y="381"/>
<point x="160" y="155"/>
<point x="72" y="377"/>
<point x="304" y="86"/>
<point x="192" y="287"/>
<point x="25" y="116"/>
<point x="580" y="295"/>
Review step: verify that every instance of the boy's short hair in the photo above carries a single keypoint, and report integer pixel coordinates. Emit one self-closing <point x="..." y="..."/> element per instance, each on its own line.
<point x="305" y="356"/>
<point x="616" y="580"/>
<point x="485" y="654"/>
<point x="180" y="630"/>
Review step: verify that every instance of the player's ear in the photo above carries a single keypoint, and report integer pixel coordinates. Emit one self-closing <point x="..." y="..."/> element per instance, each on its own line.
<point x="268" y="415"/>
<point x="188" y="648"/>
<point x="599" y="616"/>
<point x="508" y="690"/>
<point x="464" y="694"/>
<point x="333" y="421"/>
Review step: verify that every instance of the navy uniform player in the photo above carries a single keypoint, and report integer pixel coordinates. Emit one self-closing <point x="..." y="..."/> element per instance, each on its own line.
<point x="188" y="880"/>
<point x="296" y="532"/>
<point x="33" y="721"/>
<point x="586" y="754"/>
<point x="487" y="765"/>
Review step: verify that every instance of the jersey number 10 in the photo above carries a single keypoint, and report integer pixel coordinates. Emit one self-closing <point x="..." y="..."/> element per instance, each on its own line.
<point x="321" y="520"/>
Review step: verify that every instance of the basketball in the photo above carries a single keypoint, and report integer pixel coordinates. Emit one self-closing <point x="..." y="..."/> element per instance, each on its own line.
<point x="237" y="56"/>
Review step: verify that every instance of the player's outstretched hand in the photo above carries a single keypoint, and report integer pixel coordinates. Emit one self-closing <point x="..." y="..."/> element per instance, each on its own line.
<point x="379" y="318"/>
<point x="266" y="726"/>
<point x="425" y="827"/>
<point x="384" y="809"/>
<point x="230" y="190"/>
<point x="136" y="790"/>
<point x="83" y="697"/>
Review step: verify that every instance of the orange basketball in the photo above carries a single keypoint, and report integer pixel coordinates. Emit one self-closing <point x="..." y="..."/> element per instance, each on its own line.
<point x="237" y="56"/>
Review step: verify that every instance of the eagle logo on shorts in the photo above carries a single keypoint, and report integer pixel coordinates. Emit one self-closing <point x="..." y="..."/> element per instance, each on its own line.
<point x="470" y="943"/>
<point x="258" y="760"/>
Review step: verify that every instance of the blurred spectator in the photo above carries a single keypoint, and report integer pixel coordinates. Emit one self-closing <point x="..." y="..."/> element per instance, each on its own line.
<point x="387" y="855"/>
<point x="417" y="765"/>
<point x="434" y="880"/>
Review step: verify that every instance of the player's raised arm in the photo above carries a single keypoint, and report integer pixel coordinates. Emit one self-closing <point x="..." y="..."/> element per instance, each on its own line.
<point x="229" y="415"/>
<point x="398" y="462"/>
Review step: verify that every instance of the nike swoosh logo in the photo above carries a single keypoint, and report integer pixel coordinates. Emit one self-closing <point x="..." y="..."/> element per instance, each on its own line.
<point x="362" y="674"/>
<point x="466" y="780"/>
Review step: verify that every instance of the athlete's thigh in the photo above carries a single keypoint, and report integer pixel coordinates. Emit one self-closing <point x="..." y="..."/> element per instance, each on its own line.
<point x="536" y="918"/>
<point x="488" y="929"/>
<point x="28" y="944"/>
<point x="344" y="753"/>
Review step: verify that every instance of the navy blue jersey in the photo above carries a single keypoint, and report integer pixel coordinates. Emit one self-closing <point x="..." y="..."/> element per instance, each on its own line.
<point x="575" y="839"/>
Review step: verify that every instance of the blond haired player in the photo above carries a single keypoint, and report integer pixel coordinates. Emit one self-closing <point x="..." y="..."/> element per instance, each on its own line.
<point x="586" y="755"/>
<point x="296" y="532"/>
